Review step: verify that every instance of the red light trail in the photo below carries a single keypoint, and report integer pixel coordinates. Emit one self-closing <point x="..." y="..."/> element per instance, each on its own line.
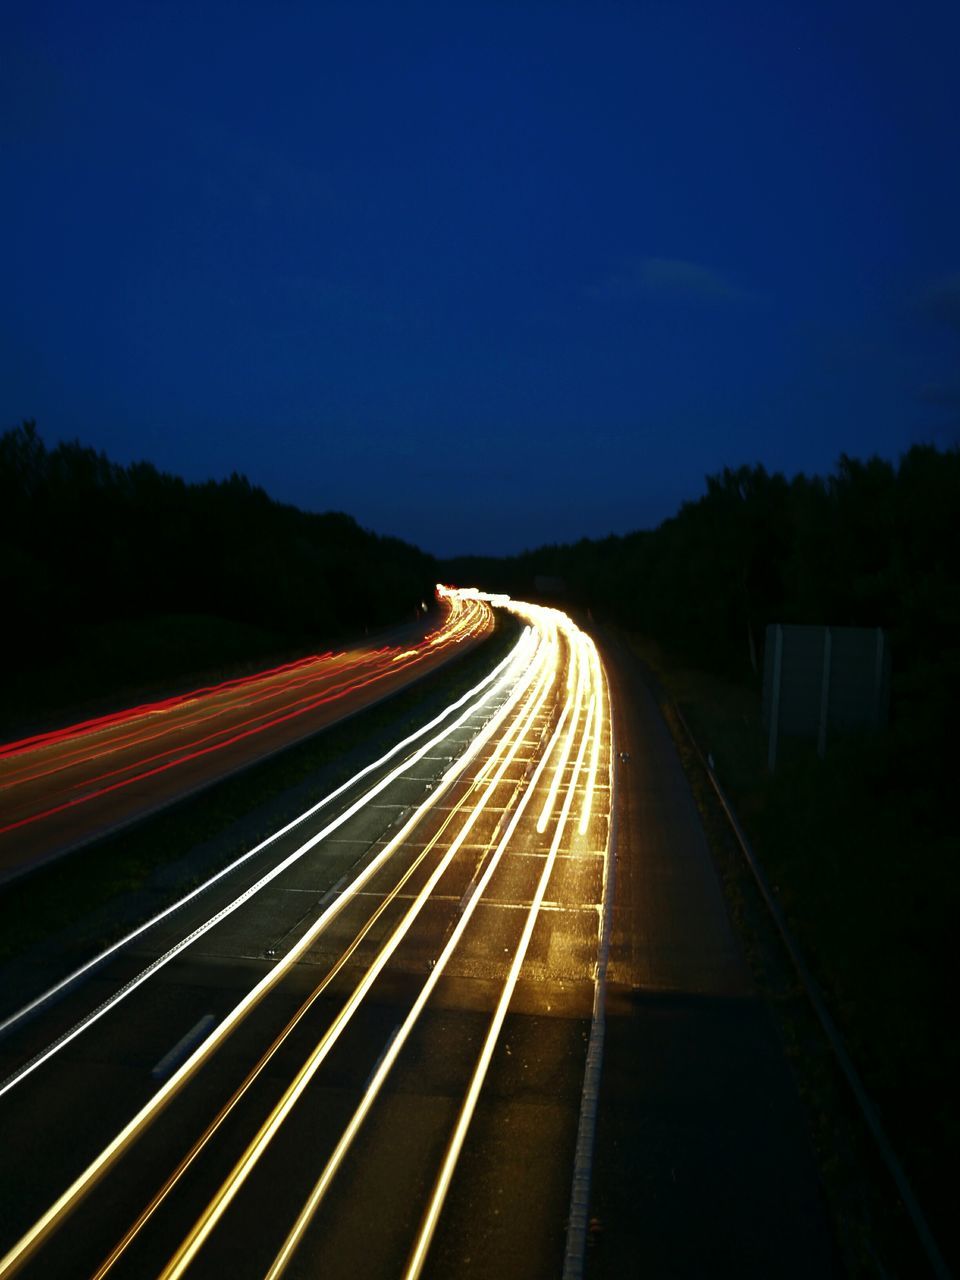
<point x="201" y="735"/>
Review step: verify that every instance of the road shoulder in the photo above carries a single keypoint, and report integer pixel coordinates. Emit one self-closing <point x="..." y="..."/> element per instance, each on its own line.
<point x="703" y="1164"/>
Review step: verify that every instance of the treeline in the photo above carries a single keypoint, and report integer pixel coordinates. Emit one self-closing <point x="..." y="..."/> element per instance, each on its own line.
<point x="873" y="544"/>
<point x="85" y="541"/>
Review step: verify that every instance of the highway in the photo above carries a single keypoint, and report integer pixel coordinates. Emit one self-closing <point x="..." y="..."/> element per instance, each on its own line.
<point x="360" y="1051"/>
<point x="62" y="789"/>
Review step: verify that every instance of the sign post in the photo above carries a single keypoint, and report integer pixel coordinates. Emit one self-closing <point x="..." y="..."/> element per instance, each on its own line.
<point x="819" y="681"/>
<point x="824" y="693"/>
<point x="775" y="698"/>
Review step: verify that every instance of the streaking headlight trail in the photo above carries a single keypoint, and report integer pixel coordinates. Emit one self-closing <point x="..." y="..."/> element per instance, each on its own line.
<point x="500" y="863"/>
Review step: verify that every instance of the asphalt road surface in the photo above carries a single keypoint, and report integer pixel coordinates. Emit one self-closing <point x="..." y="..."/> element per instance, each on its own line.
<point x="60" y="790"/>
<point x="362" y="1052"/>
<point x="372" y="1064"/>
<point x="703" y="1166"/>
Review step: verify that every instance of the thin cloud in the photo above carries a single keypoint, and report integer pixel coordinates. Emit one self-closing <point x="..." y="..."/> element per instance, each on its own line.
<point x="668" y="278"/>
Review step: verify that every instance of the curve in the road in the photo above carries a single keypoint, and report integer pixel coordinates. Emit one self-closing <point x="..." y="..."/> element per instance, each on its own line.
<point x="550" y="693"/>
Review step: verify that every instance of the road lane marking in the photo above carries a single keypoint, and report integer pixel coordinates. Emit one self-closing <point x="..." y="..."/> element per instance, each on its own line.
<point x="320" y="1188"/>
<point x="300" y="1226"/>
<point x="428" y="1225"/>
<point x="33" y="1237"/>
<point x="572" y="790"/>
<point x="104" y="955"/>
<point x="183" y="1046"/>
<point x="574" y="1259"/>
<point x="338" y="966"/>
<point x="218" y="1205"/>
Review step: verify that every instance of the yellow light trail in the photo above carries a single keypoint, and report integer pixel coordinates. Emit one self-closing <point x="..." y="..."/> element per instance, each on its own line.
<point x="598" y="721"/>
<point x="187" y="1160"/>
<point x="68" y="1200"/>
<point x="373" y="1088"/>
<point x="532" y="671"/>
<point x="514" y="657"/>
<point x="428" y="1226"/>
<point x="577" y="648"/>
<point x="218" y="1205"/>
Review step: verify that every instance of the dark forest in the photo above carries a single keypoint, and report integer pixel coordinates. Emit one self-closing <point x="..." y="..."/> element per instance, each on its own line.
<point x="89" y="545"/>
<point x="97" y="559"/>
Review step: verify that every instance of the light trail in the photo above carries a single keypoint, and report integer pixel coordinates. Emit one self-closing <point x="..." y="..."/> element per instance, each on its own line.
<point x="199" y="752"/>
<point x="380" y="659"/>
<point x="188" y="1159"/>
<point x="68" y="1200"/>
<point x="578" y="642"/>
<point x="597" y="707"/>
<point x="164" y="726"/>
<point x="323" y="1183"/>
<point x="459" y="625"/>
<point x="399" y="1039"/>
<point x="98" y="723"/>
<point x="265" y="720"/>
<point x="294" y="675"/>
<point x="452" y="629"/>
<point x="574" y="1261"/>
<point x="428" y="1226"/>
<point x="572" y="737"/>
<point x="218" y="1205"/>
<point x="517" y="655"/>
<point x="260" y="723"/>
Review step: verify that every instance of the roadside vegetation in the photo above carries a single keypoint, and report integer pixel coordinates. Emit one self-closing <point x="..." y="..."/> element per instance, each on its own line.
<point x="119" y="578"/>
<point x="862" y="846"/>
<point x="864" y="868"/>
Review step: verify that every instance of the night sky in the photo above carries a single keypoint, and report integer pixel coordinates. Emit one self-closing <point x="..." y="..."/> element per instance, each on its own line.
<point x="484" y="276"/>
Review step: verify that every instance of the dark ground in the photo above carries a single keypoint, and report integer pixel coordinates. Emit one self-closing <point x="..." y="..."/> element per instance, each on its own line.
<point x="703" y="1164"/>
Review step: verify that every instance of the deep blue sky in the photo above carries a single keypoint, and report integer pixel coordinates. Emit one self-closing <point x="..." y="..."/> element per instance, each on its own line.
<point x="485" y="276"/>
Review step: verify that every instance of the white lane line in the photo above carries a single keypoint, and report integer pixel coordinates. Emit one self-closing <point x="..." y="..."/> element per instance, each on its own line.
<point x="224" y="1196"/>
<point x="97" y="1167"/>
<point x="596" y="673"/>
<point x="302" y="1011"/>
<point x="68" y="1036"/>
<point x="383" y="1053"/>
<point x="104" y="955"/>
<point x="306" y="1214"/>
<point x="333" y="891"/>
<point x="428" y="1226"/>
<point x="499" y="904"/>
<point x="176" y="1055"/>
<point x="575" y="1252"/>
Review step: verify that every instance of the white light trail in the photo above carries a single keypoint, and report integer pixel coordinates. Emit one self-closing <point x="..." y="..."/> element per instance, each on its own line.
<point x="205" y="1224"/>
<point x="428" y="1227"/>
<point x="393" y="1050"/>
<point x="516" y="655"/>
<point x="525" y="680"/>
<point x="69" y="1198"/>
<point x="598" y="721"/>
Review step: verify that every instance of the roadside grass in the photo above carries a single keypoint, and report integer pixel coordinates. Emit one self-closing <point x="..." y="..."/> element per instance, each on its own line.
<point x="862" y="853"/>
<point x="99" y="892"/>
<point x="98" y="666"/>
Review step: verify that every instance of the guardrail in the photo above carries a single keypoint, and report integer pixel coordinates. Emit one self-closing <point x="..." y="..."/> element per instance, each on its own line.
<point x="866" y="1108"/>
